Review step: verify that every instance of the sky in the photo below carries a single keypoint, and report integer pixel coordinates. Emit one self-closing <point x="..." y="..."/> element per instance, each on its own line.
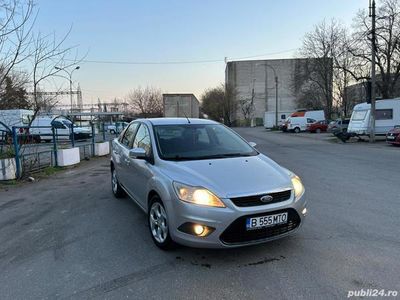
<point x="179" y="30"/>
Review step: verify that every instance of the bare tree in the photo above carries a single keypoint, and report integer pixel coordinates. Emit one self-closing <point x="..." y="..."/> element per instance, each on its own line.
<point x="387" y="45"/>
<point x="147" y="102"/>
<point x="16" y="22"/>
<point x="246" y="106"/>
<point x="219" y="103"/>
<point x="49" y="57"/>
<point x="321" y="46"/>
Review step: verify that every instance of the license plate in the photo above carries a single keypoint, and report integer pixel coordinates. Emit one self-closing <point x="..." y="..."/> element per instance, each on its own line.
<point x="390" y="137"/>
<point x="266" y="221"/>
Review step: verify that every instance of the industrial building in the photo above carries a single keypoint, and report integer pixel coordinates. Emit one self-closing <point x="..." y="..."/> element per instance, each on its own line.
<point x="181" y="105"/>
<point x="255" y="81"/>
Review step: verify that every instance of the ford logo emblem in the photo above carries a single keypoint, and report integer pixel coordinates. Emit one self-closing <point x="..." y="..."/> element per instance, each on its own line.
<point x="266" y="198"/>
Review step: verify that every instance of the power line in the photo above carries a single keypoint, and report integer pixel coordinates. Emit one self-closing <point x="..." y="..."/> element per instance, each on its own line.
<point x="178" y="62"/>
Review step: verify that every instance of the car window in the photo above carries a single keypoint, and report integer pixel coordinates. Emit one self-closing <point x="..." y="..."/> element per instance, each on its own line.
<point x="384" y="114"/>
<point x="57" y="124"/>
<point x="128" y="135"/>
<point x="310" y="120"/>
<point x="346" y="122"/>
<point x="142" y="139"/>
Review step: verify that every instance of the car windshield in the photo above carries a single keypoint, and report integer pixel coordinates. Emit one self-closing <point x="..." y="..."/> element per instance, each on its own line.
<point x="358" y="115"/>
<point x="67" y="123"/>
<point x="203" y="141"/>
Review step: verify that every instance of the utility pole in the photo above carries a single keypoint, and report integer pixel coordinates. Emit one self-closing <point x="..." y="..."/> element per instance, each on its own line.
<point x="373" y="77"/>
<point x="276" y="101"/>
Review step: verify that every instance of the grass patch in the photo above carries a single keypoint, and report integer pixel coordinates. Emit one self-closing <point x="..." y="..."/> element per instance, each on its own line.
<point x="48" y="171"/>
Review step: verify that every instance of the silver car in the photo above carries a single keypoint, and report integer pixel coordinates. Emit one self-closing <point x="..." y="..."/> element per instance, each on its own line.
<point x="202" y="185"/>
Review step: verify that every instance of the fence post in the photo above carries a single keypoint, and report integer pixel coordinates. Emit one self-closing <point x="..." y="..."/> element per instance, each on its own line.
<point x="54" y="146"/>
<point x="16" y="150"/>
<point x="93" y="138"/>
<point x="104" y="132"/>
<point x="72" y="135"/>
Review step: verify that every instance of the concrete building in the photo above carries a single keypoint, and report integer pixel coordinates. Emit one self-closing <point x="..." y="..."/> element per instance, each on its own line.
<point x="255" y="79"/>
<point x="181" y="105"/>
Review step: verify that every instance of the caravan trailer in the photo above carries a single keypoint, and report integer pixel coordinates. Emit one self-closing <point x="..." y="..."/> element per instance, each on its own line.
<point x="386" y="117"/>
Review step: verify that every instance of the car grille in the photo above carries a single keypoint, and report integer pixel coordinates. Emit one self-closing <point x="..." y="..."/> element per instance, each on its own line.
<point x="256" y="199"/>
<point x="236" y="233"/>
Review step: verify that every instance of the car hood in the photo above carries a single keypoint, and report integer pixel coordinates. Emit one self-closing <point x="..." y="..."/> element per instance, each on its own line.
<point x="230" y="177"/>
<point x="394" y="130"/>
<point x="82" y="130"/>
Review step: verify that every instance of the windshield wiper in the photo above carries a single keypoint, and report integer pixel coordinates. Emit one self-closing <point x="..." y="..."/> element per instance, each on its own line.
<point x="214" y="156"/>
<point x="224" y="155"/>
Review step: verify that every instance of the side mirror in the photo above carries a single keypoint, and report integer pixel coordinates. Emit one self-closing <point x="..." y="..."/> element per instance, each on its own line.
<point x="252" y="144"/>
<point x="138" y="153"/>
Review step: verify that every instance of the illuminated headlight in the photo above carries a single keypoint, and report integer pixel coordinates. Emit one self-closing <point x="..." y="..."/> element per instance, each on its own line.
<point x="297" y="186"/>
<point x="196" y="195"/>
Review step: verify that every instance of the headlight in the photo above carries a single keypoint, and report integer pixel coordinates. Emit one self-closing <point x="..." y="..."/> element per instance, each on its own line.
<point x="197" y="195"/>
<point x="297" y="186"/>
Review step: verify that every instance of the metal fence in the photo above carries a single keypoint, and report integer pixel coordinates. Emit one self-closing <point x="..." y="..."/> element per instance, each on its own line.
<point x="34" y="151"/>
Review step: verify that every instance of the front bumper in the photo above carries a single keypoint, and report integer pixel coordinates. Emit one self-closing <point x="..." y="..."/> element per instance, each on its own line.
<point x="229" y="223"/>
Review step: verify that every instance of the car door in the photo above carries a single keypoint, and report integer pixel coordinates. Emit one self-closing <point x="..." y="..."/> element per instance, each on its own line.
<point x="140" y="170"/>
<point x="121" y="153"/>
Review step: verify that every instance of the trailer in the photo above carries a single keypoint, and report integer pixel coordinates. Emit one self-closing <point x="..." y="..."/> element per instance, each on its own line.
<point x="387" y="115"/>
<point x="181" y="105"/>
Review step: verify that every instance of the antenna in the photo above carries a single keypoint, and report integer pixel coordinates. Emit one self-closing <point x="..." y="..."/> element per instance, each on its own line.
<point x="186" y="117"/>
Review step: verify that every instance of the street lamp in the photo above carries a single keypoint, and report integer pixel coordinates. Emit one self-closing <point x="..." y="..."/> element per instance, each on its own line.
<point x="276" y="90"/>
<point x="70" y="80"/>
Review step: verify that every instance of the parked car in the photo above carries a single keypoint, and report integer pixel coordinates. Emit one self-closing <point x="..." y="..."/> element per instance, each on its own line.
<point x="298" y="124"/>
<point x="63" y="128"/>
<point x="393" y="136"/>
<point x="317" y="127"/>
<point x="202" y="185"/>
<point x="339" y="125"/>
<point x="387" y="115"/>
<point x="117" y="127"/>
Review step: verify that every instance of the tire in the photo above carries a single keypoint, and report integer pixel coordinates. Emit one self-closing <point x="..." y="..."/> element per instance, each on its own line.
<point x="115" y="186"/>
<point x="318" y="130"/>
<point x="297" y="130"/>
<point x="157" y="215"/>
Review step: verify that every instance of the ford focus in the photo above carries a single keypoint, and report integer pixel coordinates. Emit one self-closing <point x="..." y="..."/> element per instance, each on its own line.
<point x="202" y="185"/>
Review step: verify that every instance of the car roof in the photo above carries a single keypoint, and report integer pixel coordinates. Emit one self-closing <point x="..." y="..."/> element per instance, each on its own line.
<point x="177" y="121"/>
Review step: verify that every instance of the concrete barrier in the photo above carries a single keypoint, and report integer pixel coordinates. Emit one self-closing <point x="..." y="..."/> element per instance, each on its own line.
<point x="8" y="168"/>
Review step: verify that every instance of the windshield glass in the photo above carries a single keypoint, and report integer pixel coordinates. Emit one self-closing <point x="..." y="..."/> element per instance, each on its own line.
<point x="204" y="141"/>
<point x="359" y="115"/>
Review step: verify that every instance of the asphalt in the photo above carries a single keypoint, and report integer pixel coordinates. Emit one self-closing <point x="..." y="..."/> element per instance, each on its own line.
<point x="66" y="237"/>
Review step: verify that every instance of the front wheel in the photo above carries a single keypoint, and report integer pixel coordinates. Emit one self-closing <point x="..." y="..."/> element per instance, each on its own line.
<point x="116" y="187"/>
<point x="297" y="130"/>
<point x="158" y="224"/>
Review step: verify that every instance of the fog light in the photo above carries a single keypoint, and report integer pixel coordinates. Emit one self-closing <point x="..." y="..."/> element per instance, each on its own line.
<point x="304" y="211"/>
<point x="198" y="229"/>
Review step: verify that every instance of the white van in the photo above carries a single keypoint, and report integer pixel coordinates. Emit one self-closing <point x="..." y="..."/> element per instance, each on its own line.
<point x="15" y="117"/>
<point x="269" y="118"/>
<point x="62" y="126"/>
<point x="386" y="117"/>
<point x="318" y="115"/>
<point x="297" y="124"/>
